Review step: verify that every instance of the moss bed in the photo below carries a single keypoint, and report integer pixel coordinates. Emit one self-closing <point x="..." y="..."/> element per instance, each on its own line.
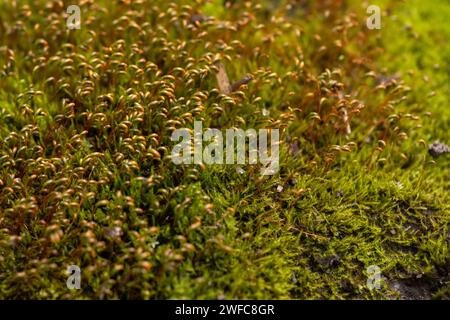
<point x="86" y="178"/>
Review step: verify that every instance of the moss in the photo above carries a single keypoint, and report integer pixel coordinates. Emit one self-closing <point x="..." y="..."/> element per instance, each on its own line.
<point x="86" y="178"/>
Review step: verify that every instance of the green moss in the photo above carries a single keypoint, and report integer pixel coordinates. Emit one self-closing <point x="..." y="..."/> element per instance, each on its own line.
<point x="85" y="123"/>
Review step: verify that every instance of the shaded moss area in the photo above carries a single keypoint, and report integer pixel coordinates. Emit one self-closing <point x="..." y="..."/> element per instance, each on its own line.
<point x="86" y="177"/>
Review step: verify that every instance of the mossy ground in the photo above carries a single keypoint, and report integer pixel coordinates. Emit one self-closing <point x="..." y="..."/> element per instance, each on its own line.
<point x="85" y="178"/>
